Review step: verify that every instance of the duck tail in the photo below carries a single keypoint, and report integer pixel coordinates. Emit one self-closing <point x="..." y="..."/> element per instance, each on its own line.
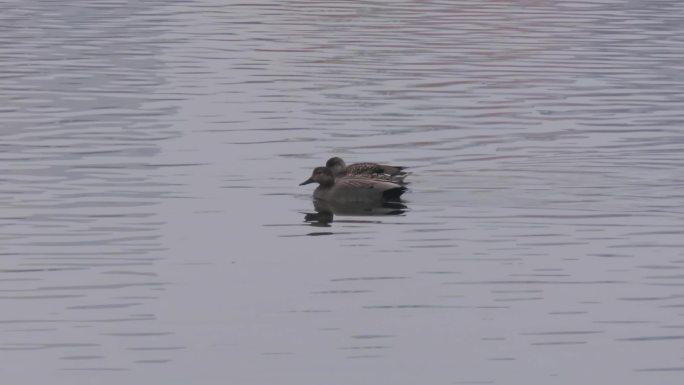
<point x="393" y="193"/>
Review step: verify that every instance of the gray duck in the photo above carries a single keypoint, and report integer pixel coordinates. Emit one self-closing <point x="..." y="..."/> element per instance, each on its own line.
<point x="350" y="189"/>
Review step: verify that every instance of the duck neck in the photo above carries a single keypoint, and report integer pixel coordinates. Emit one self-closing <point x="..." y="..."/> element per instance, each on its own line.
<point x="327" y="182"/>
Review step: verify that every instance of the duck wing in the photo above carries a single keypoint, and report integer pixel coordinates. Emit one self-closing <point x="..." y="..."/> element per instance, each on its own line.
<point x="398" y="179"/>
<point x="368" y="189"/>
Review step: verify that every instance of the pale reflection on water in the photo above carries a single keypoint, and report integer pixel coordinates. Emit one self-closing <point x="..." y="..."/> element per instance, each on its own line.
<point x="153" y="230"/>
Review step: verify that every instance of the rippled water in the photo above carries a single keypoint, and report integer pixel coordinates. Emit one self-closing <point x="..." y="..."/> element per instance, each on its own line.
<point x="152" y="228"/>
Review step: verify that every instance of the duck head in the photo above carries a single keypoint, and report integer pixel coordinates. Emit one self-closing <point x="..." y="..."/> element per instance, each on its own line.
<point x="321" y="175"/>
<point x="336" y="164"/>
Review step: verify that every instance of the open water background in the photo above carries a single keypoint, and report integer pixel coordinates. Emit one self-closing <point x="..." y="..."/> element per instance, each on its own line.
<point x="152" y="229"/>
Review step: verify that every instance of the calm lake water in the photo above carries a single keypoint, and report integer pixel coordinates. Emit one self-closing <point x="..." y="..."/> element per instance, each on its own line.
<point x="153" y="231"/>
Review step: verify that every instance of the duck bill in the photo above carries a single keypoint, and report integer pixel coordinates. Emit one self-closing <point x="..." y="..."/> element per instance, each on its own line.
<point x="310" y="180"/>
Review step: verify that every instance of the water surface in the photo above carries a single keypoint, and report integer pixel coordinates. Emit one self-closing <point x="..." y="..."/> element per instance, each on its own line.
<point x="153" y="229"/>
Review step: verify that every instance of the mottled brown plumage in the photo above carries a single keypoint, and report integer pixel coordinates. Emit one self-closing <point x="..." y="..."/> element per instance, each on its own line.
<point x="383" y="172"/>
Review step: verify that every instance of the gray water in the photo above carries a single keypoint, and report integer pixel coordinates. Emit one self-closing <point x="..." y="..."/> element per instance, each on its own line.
<point x="152" y="230"/>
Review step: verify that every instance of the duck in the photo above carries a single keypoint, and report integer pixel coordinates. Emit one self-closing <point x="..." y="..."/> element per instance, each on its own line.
<point x="394" y="174"/>
<point x="352" y="190"/>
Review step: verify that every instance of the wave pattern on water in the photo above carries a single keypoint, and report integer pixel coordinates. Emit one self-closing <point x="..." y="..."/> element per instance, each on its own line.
<point x="150" y="215"/>
<point x="83" y="115"/>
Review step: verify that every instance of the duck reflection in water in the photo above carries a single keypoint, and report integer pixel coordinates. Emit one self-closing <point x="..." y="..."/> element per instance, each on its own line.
<point x="325" y="212"/>
<point x="352" y="196"/>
